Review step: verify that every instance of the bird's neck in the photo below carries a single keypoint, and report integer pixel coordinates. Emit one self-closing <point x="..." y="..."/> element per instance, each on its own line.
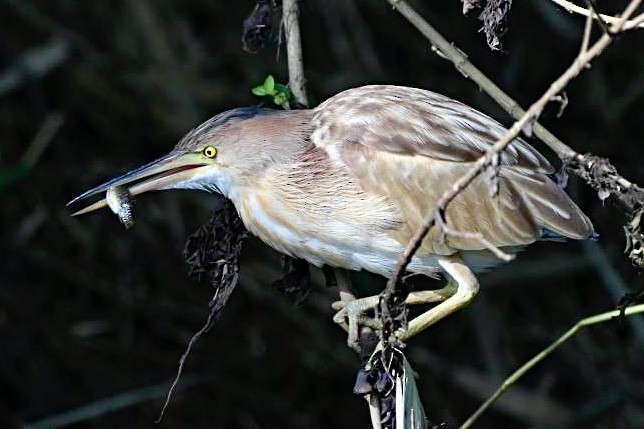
<point x="271" y="142"/>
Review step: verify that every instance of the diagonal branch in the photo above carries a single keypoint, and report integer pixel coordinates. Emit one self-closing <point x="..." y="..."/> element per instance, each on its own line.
<point x="637" y="22"/>
<point x="585" y="166"/>
<point x="512" y="379"/>
<point x="525" y="122"/>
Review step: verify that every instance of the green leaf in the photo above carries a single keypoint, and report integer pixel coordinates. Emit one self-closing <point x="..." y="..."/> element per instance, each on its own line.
<point x="283" y="89"/>
<point x="280" y="98"/>
<point x="259" y="91"/>
<point x="269" y="84"/>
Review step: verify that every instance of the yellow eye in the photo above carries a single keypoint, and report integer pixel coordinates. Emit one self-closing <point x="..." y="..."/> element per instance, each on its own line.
<point x="209" y="152"/>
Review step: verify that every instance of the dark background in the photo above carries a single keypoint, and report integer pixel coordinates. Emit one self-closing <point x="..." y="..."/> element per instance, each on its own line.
<point x="91" y="312"/>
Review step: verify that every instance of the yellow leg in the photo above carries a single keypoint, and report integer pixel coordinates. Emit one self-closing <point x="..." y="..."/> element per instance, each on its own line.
<point x="350" y="312"/>
<point x="468" y="287"/>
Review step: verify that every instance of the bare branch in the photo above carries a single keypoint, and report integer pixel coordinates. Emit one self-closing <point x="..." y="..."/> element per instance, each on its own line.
<point x="459" y="59"/>
<point x="637" y="22"/>
<point x="528" y="117"/>
<point x="585" y="41"/>
<point x="290" y="19"/>
<point x="516" y="375"/>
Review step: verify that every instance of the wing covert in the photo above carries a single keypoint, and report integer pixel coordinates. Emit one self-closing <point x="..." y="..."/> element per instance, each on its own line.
<point x="413" y="121"/>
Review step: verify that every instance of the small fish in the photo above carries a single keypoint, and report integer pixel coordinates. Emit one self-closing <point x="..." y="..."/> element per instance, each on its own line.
<point x="121" y="202"/>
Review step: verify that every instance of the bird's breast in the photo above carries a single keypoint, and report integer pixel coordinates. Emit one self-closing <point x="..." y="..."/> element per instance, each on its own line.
<point x="318" y="225"/>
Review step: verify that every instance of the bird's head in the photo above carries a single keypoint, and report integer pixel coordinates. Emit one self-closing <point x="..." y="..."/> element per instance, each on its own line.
<point x="228" y="150"/>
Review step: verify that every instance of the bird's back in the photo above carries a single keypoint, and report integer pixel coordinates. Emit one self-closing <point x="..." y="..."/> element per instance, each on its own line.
<point x="411" y="145"/>
<point x="376" y="160"/>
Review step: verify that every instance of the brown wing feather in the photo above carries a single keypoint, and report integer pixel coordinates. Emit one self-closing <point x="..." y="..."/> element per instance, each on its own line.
<point x="416" y="122"/>
<point x="411" y="145"/>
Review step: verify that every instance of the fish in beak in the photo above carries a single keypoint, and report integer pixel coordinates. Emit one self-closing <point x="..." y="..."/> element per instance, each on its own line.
<point x="171" y="171"/>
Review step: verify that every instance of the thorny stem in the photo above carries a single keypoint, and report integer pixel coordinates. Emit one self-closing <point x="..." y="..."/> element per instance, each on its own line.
<point x="526" y="121"/>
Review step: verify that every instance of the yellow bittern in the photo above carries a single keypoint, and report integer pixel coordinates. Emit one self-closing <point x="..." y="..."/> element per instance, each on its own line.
<point x="347" y="184"/>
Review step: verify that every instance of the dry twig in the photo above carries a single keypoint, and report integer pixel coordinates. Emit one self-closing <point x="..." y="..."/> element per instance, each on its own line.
<point x="584" y="323"/>
<point x="625" y="191"/>
<point x="290" y="18"/>
<point x="526" y="122"/>
<point x="637" y="22"/>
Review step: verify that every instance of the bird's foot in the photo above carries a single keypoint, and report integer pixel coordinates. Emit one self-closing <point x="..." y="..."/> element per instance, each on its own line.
<point x="351" y="315"/>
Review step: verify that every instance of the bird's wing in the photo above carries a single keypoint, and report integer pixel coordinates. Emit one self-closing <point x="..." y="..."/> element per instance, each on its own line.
<point x="411" y="145"/>
<point x="414" y="121"/>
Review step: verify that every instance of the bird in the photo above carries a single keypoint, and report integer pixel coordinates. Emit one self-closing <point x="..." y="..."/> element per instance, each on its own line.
<point x="346" y="184"/>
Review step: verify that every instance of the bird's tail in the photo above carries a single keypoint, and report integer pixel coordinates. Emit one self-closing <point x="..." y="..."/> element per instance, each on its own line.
<point x="553" y="210"/>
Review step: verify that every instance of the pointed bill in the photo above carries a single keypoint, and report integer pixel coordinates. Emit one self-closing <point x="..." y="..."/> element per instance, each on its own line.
<point x="165" y="172"/>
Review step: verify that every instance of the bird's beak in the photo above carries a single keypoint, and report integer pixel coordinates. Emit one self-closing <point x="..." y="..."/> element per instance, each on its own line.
<point x="164" y="173"/>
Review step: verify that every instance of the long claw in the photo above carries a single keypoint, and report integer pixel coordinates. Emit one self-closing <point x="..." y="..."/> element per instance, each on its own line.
<point x="351" y="316"/>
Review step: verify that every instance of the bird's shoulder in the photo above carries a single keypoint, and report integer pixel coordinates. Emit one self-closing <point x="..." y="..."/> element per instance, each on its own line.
<point x="412" y="121"/>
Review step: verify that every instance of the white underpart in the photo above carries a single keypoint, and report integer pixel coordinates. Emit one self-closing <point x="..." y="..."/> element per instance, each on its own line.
<point x="356" y="249"/>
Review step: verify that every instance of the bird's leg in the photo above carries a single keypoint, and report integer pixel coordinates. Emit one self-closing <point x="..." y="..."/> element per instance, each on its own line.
<point x="467" y="288"/>
<point x="343" y="281"/>
<point x="351" y="315"/>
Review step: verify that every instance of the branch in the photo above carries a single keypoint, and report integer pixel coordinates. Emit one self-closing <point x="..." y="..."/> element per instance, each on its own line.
<point x="623" y="190"/>
<point x="637" y="22"/>
<point x="592" y="320"/>
<point x="525" y="122"/>
<point x="290" y="15"/>
<point x="467" y="69"/>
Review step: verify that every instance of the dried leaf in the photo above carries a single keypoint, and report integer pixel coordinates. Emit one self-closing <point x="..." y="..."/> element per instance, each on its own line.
<point x="468" y="5"/>
<point x="635" y="239"/>
<point x="603" y="194"/>
<point x="258" y="29"/>
<point x="213" y="252"/>
<point x="296" y="282"/>
<point x="495" y="17"/>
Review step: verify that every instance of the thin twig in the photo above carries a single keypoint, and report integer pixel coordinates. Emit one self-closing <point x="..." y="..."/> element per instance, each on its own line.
<point x="585" y="41"/>
<point x="636" y="22"/>
<point x="597" y="16"/>
<point x="525" y="122"/>
<point x="593" y="320"/>
<point x="193" y="340"/>
<point x="462" y="64"/>
<point x="290" y="18"/>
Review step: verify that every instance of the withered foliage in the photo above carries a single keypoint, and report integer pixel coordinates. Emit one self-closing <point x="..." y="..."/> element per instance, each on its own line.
<point x="602" y="176"/>
<point x="635" y="239"/>
<point x="296" y="283"/>
<point x="258" y="28"/>
<point x="212" y="252"/>
<point x="494" y="17"/>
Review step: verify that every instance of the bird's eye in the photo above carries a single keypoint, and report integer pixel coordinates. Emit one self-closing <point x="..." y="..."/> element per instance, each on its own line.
<point x="209" y="152"/>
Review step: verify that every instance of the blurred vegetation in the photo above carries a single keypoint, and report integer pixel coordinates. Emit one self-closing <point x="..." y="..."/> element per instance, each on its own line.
<point x="90" y="312"/>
